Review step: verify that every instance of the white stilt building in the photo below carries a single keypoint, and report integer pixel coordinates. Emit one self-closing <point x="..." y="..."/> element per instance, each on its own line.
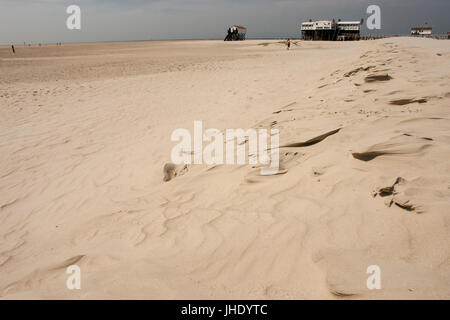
<point x="331" y="30"/>
<point x="421" y="31"/>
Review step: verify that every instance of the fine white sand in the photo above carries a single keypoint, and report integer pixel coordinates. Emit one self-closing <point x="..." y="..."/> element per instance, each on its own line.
<point x="85" y="134"/>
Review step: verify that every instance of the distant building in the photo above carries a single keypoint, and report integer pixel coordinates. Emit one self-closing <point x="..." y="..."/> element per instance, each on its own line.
<point x="349" y="30"/>
<point x="319" y="30"/>
<point x="421" y="31"/>
<point x="331" y="30"/>
<point x="236" y="33"/>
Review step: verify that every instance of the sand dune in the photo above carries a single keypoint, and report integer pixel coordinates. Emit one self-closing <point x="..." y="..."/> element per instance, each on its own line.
<point x="86" y="176"/>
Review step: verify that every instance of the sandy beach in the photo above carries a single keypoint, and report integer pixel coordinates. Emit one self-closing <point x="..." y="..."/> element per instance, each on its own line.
<point x="85" y="133"/>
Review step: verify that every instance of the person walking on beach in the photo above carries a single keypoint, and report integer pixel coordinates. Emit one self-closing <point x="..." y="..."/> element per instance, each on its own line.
<point x="13" y="49"/>
<point x="288" y="44"/>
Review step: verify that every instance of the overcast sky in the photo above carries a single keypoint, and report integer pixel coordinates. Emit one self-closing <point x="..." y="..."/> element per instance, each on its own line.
<point x="44" y="21"/>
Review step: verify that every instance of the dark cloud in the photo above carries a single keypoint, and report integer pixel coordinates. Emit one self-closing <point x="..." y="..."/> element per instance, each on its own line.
<point x="105" y="20"/>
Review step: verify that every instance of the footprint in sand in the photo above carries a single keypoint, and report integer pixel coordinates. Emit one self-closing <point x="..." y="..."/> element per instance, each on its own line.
<point x="357" y="70"/>
<point x="377" y="77"/>
<point x="171" y="171"/>
<point x="401" y="145"/>
<point x="289" y="156"/>
<point x="410" y="195"/>
<point x="288" y="159"/>
<point x="402" y="102"/>
<point x="312" y="141"/>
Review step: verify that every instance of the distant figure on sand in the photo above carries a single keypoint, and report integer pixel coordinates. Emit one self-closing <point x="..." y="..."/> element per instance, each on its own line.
<point x="13" y="50"/>
<point x="288" y="44"/>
